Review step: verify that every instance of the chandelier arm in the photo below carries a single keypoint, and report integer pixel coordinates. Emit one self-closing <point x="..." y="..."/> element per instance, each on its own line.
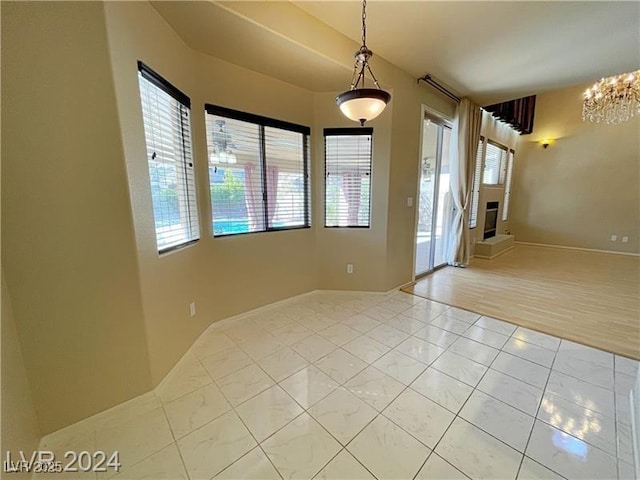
<point x="375" y="80"/>
<point x="362" y="73"/>
<point x="355" y="77"/>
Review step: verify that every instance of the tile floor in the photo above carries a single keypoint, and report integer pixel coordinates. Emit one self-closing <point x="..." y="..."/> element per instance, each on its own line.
<point x="345" y="386"/>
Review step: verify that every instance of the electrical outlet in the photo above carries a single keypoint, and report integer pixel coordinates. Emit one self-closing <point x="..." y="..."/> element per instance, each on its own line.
<point x="409" y="201"/>
<point x="614" y="238"/>
<point x="625" y="239"/>
<point x="349" y="268"/>
<point x="192" y="309"/>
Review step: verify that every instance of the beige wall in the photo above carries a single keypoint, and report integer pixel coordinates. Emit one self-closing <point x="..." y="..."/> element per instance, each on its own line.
<point x="99" y="315"/>
<point x="363" y="247"/>
<point x="582" y="188"/>
<point x="382" y="255"/>
<point x="224" y="276"/>
<point x="68" y="250"/>
<point x="20" y="431"/>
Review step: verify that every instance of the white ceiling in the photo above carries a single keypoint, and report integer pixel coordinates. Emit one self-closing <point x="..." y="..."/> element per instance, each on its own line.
<point x="491" y="51"/>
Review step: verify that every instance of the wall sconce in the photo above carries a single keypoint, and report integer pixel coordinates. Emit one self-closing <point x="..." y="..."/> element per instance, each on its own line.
<point x="545" y="142"/>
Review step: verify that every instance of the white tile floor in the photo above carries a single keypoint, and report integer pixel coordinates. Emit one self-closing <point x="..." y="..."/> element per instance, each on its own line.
<point x="342" y="386"/>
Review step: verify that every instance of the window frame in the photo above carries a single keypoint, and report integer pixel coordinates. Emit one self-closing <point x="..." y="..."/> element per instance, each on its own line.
<point x="147" y="73"/>
<point x="262" y="122"/>
<point x="347" y="131"/>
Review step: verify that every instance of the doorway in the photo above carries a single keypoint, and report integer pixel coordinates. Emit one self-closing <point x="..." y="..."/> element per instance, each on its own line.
<point x="434" y="198"/>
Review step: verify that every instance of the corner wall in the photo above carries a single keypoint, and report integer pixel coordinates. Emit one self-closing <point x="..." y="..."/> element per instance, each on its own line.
<point x="585" y="186"/>
<point x="68" y="249"/>
<point x="224" y="276"/>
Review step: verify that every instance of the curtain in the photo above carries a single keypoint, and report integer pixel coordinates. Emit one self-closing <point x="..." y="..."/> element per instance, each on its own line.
<point x="272" y="192"/>
<point x="464" y="146"/>
<point x="352" y="189"/>
<point x="252" y="196"/>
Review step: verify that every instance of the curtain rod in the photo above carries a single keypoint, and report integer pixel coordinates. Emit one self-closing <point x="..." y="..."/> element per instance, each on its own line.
<point x="428" y="79"/>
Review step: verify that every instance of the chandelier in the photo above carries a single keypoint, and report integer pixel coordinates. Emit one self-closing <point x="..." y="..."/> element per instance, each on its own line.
<point x="613" y="99"/>
<point x="361" y="104"/>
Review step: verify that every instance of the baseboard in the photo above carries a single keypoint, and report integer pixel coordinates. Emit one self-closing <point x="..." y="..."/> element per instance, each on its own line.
<point x="347" y="292"/>
<point x="565" y="247"/>
<point x="400" y="287"/>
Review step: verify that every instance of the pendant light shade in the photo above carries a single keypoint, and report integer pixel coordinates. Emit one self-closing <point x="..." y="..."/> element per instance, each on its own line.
<point x="361" y="104"/>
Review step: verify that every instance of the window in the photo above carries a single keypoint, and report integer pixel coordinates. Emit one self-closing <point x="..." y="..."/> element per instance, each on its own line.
<point x="258" y="172"/>
<point x="167" y="132"/>
<point x="495" y="164"/>
<point x="475" y="192"/>
<point x="507" y="186"/>
<point x="347" y="185"/>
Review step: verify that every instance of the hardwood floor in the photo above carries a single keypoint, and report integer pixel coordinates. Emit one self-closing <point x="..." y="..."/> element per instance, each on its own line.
<point x="587" y="297"/>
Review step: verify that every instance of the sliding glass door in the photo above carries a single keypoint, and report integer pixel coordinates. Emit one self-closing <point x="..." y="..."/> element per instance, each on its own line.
<point x="434" y="201"/>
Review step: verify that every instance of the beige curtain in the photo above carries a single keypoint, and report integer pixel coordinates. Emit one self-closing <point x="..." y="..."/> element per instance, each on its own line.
<point x="464" y="147"/>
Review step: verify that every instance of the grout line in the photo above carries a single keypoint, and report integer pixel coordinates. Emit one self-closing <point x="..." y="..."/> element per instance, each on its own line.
<point x="535" y="418"/>
<point x="175" y="440"/>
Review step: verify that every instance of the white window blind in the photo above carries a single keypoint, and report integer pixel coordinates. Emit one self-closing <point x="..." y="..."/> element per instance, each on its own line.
<point x="475" y="192"/>
<point x="495" y="164"/>
<point x="287" y="201"/>
<point x="258" y="172"/>
<point x="167" y="128"/>
<point x="507" y="186"/>
<point x="348" y="154"/>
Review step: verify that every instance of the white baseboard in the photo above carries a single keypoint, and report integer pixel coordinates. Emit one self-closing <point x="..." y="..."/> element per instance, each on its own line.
<point x="565" y="247"/>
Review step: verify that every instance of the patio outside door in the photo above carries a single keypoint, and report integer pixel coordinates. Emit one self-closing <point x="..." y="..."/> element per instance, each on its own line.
<point x="434" y="197"/>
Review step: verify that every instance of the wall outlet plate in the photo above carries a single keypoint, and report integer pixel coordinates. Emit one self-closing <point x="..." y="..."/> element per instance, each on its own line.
<point x="625" y="239"/>
<point x="192" y="309"/>
<point x="614" y="238"/>
<point x="349" y="268"/>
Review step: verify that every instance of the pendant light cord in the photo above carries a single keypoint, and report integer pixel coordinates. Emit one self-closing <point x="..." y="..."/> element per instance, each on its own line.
<point x="364" y="64"/>
<point x="364" y="23"/>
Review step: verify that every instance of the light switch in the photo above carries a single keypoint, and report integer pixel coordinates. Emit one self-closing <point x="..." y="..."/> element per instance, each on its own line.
<point x="409" y="201"/>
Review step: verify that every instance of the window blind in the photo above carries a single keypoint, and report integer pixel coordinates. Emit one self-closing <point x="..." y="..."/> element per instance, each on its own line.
<point x="475" y="192"/>
<point x="507" y="186"/>
<point x="348" y="154"/>
<point x="167" y="128"/>
<point x="286" y="171"/>
<point x="258" y="172"/>
<point x="495" y="164"/>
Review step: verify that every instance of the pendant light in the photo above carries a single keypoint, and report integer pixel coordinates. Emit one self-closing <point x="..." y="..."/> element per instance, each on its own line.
<point x="361" y="104"/>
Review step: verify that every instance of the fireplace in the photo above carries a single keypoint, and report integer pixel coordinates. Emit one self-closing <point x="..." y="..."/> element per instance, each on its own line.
<point x="490" y="220"/>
